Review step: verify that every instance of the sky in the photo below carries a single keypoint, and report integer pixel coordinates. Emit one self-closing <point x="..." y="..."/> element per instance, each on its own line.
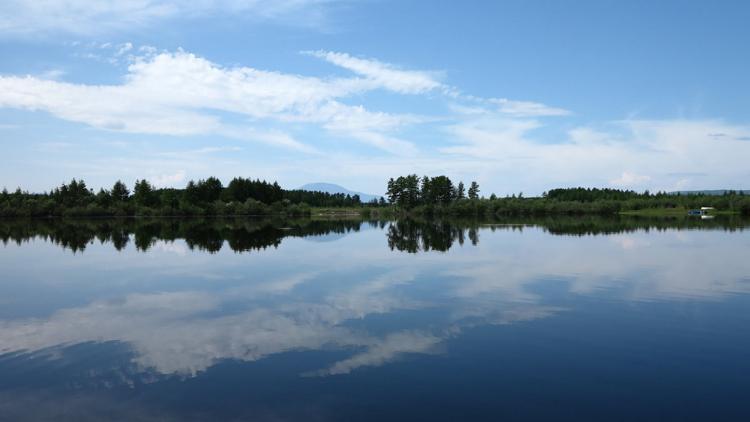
<point x="521" y="96"/>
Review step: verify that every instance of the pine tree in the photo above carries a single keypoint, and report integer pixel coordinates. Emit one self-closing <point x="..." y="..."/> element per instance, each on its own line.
<point x="143" y="193"/>
<point x="460" y="191"/>
<point x="474" y="190"/>
<point x="120" y="192"/>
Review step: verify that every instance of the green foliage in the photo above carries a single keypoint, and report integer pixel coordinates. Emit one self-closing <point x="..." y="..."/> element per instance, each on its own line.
<point x="144" y="195"/>
<point x="322" y="199"/>
<point x="240" y="189"/>
<point x="460" y="191"/>
<point x="437" y="197"/>
<point x="404" y="191"/>
<point x="204" y="191"/>
<point x="120" y="192"/>
<point x="205" y="197"/>
<point x="474" y="190"/>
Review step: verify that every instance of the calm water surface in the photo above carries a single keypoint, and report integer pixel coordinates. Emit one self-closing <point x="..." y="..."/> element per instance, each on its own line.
<point x="560" y="319"/>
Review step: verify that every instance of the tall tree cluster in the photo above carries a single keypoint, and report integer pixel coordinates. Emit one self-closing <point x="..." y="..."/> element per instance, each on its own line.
<point x="241" y="189"/>
<point x="411" y="191"/>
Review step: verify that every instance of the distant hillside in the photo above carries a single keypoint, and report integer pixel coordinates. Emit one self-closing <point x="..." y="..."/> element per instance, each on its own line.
<point x="333" y="188"/>
<point x="707" y="192"/>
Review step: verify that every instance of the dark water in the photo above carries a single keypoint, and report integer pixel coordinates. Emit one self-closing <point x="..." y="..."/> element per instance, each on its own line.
<point x="558" y="319"/>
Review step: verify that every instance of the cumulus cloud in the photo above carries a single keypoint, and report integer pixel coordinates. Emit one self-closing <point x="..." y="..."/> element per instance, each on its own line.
<point x="178" y="93"/>
<point x="645" y="154"/>
<point x="495" y="141"/>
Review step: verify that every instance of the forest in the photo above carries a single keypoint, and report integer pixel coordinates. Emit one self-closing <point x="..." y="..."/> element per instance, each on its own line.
<point x="408" y="195"/>
<point x="414" y="195"/>
<point x="206" y="197"/>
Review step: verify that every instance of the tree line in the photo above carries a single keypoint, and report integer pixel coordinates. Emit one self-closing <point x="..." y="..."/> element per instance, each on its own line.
<point x="410" y="195"/>
<point x="412" y="191"/>
<point x="242" y="196"/>
<point x="439" y="195"/>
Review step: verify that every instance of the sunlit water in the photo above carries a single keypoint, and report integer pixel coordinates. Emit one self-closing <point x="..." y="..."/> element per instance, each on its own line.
<point x="272" y="320"/>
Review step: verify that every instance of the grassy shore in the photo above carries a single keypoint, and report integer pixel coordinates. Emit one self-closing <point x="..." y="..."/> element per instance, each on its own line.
<point x="388" y="212"/>
<point x="670" y="212"/>
<point x="346" y="212"/>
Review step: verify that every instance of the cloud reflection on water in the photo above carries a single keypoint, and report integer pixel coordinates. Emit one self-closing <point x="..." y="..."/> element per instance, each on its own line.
<point x="306" y="301"/>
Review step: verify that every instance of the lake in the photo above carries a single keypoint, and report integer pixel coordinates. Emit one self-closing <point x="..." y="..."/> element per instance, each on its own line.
<point x="317" y="320"/>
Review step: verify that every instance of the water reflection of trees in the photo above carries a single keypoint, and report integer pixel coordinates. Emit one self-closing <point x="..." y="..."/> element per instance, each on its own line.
<point x="597" y="225"/>
<point x="420" y="235"/>
<point x="210" y="235"/>
<point x="243" y="235"/>
<point x="424" y="235"/>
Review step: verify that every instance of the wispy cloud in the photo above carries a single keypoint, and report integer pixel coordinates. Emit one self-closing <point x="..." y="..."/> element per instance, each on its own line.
<point x="493" y="140"/>
<point x="82" y="17"/>
<point x="178" y="93"/>
<point x="381" y="74"/>
<point x="527" y="108"/>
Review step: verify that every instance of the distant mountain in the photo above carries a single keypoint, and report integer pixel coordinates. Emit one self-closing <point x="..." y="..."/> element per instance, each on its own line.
<point x="707" y="192"/>
<point x="333" y="188"/>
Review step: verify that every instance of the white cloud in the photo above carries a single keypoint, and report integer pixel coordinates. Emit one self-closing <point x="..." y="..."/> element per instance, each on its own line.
<point x="387" y="143"/>
<point x="644" y="154"/>
<point x="629" y="179"/>
<point x="527" y="108"/>
<point x="176" y="93"/>
<point x="492" y="140"/>
<point x="166" y="180"/>
<point x="83" y="17"/>
<point x="383" y="74"/>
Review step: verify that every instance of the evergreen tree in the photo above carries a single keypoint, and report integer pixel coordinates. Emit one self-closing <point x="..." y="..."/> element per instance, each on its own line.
<point x="143" y="193"/>
<point x="392" y="191"/>
<point x="425" y="191"/>
<point x="120" y="192"/>
<point x="103" y="198"/>
<point x="474" y="190"/>
<point x="442" y="190"/>
<point x="460" y="191"/>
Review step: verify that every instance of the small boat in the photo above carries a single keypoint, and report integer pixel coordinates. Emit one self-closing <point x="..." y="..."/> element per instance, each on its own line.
<point x="703" y="211"/>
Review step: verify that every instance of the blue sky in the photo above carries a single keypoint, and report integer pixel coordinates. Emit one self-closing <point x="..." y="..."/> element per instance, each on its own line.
<point x="518" y="95"/>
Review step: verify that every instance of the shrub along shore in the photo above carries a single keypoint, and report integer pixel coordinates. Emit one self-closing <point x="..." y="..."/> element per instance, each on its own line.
<point x="407" y="196"/>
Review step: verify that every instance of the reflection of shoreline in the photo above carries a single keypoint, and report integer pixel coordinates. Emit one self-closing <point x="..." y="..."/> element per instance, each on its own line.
<point x="244" y="235"/>
<point x="210" y="235"/>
